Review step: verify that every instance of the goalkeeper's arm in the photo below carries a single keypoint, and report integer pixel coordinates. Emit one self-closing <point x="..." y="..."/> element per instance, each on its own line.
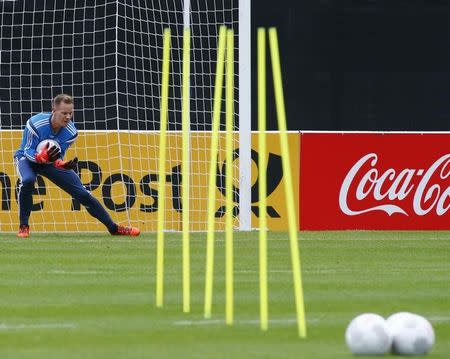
<point x="67" y="165"/>
<point x="53" y="154"/>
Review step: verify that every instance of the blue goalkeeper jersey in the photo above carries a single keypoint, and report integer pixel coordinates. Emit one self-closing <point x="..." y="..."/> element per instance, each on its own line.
<point x="39" y="128"/>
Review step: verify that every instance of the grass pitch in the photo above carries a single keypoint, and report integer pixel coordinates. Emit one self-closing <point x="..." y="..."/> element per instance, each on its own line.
<point x="93" y="296"/>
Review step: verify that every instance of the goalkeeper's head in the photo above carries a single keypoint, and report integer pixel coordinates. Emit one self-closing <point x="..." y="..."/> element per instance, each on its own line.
<point x="62" y="110"/>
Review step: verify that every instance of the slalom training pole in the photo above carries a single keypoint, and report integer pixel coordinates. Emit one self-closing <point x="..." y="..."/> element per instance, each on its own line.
<point x="289" y="193"/>
<point x="185" y="171"/>
<point x="162" y="171"/>
<point x="262" y="181"/>
<point x="209" y="276"/>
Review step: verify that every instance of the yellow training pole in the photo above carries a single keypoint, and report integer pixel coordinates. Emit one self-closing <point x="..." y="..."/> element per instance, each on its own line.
<point x="212" y="172"/>
<point x="161" y="170"/>
<point x="185" y="171"/>
<point x="292" y="220"/>
<point x="262" y="179"/>
<point x="229" y="88"/>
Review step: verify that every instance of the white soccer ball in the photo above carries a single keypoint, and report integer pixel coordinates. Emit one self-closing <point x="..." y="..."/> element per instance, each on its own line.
<point x="367" y="334"/>
<point x="43" y="144"/>
<point x="411" y="334"/>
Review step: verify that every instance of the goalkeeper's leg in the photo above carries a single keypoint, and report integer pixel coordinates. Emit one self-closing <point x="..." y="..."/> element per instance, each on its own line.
<point x="27" y="178"/>
<point x="71" y="183"/>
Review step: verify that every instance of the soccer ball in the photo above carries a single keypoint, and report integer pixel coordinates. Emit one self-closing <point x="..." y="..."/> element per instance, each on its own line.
<point x="411" y="334"/>
<point x="43" y="144"/>
<point x="51" y="143"/>
<point x="367" y="334"/>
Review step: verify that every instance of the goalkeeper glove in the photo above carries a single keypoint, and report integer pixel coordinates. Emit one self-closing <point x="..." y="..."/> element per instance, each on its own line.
<point x="67" y="165"/>
<point x="47" y="154"/>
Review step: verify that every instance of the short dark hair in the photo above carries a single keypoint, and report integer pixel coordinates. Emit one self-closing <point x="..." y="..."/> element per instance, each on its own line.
<point x="62" y="98"/>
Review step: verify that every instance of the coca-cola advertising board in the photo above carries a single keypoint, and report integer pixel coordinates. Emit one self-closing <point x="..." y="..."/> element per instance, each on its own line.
<point x="381" y="181"/>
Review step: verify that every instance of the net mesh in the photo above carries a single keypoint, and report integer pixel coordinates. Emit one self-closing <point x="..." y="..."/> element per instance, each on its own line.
<point x="109" y="57"/>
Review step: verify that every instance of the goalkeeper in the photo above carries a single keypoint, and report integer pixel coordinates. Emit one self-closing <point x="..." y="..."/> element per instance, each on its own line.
<point x="48" y="162"/>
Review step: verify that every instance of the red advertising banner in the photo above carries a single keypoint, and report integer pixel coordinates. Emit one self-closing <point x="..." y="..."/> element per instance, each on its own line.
<point x="381" y="181"/>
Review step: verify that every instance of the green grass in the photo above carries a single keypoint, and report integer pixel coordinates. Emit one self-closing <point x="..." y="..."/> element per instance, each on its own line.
<point x="93" y="296"/>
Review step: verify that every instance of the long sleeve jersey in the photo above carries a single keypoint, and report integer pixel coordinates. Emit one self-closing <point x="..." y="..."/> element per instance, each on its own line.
<point x="39" y="128"/>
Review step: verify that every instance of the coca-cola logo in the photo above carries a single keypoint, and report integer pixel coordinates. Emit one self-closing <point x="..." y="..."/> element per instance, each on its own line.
<point x="368" y="189"/>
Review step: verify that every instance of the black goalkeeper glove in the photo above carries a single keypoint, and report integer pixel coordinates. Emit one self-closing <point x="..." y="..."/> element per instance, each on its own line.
<point x="48" y="155"/>
<point x="67" y="165"/>
<point x="53" y="153"/>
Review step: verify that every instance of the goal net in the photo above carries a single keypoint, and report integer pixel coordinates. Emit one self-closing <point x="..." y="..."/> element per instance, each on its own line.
<point x="108" y="55"/>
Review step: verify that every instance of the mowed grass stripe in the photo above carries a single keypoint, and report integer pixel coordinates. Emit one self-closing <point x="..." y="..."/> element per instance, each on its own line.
<point x="104" y="287"/>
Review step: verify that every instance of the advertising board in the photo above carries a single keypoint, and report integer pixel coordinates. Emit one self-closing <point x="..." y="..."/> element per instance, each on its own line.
<point x="385" y="181"/>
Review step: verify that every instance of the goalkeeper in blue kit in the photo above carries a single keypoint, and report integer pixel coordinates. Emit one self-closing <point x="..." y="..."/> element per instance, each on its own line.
<point x="48" y="161"/>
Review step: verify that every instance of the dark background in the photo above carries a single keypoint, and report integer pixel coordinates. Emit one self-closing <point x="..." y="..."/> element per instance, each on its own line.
<point x="347" y="65"/>
<point x="108" y="55"/>
<point x="361" y="65"/>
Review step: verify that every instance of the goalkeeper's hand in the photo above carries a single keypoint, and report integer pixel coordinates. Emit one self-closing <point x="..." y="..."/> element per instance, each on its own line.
<point x="67" y="165"/>
<point x="48" y="154"/>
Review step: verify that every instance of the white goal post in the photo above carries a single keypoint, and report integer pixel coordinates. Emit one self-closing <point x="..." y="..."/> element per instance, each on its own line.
<point x="108" y="55"/>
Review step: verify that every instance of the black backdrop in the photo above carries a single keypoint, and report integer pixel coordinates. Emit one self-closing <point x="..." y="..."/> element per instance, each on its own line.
<point x="347" y="65"/>
<point x="361" y="65"/>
